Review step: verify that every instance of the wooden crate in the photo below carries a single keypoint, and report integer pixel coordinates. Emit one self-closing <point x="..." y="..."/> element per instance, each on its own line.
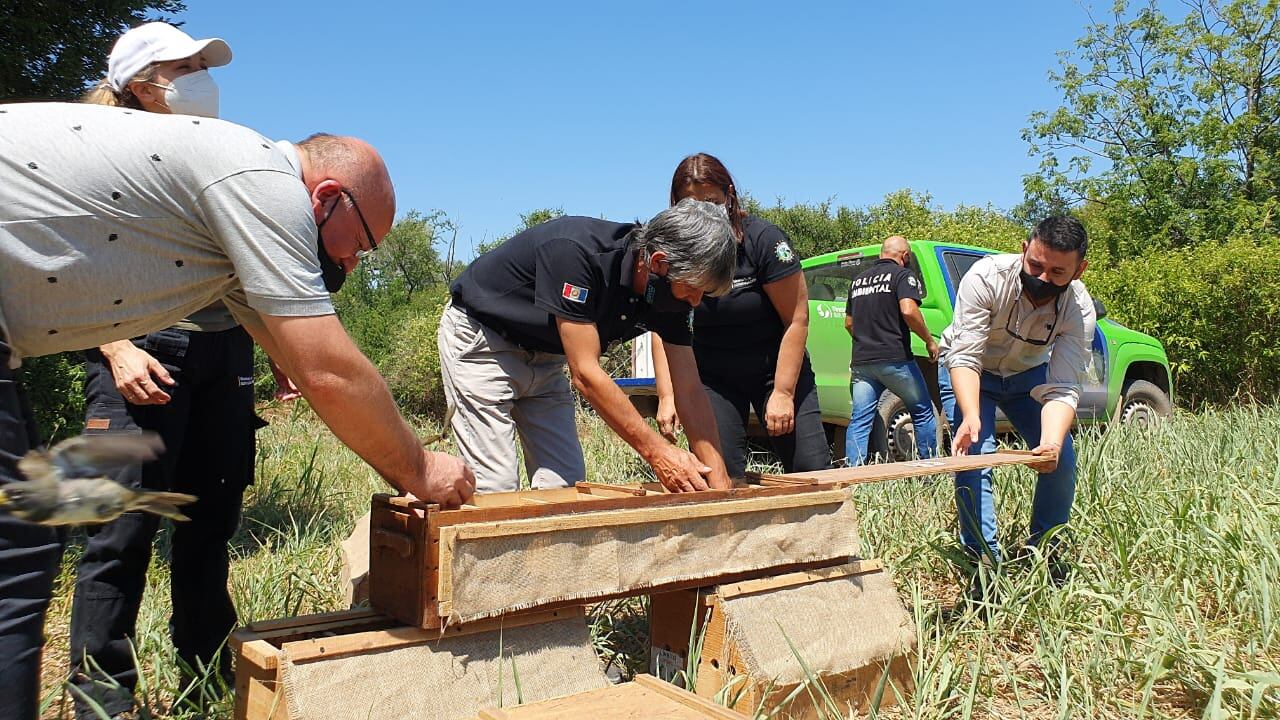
<point x="645" y="697"/>
<point x="259" y="648"/>
<point x="410" y="542"/>
<point x="678" y="617"/>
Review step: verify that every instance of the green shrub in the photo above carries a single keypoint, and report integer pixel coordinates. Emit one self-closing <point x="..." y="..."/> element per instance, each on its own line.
<point x="412" y="366"/>
<point x="1216" y="307"/>
<point x="55" y="387"/>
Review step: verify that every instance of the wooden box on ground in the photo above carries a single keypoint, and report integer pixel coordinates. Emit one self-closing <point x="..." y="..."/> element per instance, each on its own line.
<point x="645" y="697"/>
<point x="847" y="624"/>
<point x="507" y="552"/>
<point x="311" y="667"/>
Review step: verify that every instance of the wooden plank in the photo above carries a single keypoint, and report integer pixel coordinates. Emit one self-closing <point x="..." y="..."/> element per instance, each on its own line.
<point x="431" y="613"/>
<point x="365" y="620"/>
<point x="635" y="516"/>
<point x="777" y="582"/>
<point x="591" y="488"/>
<point x="913" y="468"/>
<point x="328" y="648"/>
<point x="768" y="479"/>
<point x="650" y="500"/>
<point x="688" y="699"/>
<point x="304" y="621"/>
<point x="628" y="701"/>
<point x="256" y="687"/>
<point x="261" y="654"/>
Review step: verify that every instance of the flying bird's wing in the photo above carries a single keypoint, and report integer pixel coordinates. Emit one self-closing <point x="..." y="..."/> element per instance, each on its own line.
<point x="99" y="455"/>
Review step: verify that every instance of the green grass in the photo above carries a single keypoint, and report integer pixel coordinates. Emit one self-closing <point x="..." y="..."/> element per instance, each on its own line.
<point x="1173" y="609"/>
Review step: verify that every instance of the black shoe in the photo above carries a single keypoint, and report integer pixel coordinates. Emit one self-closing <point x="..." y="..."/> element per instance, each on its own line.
<point x="1059" y="571"/>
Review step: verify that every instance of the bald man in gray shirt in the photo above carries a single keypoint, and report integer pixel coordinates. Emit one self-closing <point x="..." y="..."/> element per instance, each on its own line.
<point x="115" y="223"/>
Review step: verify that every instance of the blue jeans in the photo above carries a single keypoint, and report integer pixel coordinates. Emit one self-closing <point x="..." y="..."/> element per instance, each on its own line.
<point x="975" y="503"/>
<point x="902" y="378"/>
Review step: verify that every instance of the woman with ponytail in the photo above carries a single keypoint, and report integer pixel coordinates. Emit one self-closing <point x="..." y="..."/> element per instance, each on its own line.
<point x="193" y="385"/>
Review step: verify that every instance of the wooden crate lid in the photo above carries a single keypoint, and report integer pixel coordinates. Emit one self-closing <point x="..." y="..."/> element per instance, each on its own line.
<point x="645" y="697"/>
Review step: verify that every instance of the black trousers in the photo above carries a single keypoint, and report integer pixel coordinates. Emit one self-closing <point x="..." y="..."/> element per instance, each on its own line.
<point x="207" y="427"/>
<point x="29" y="559"/>
<point x="736" y="383"/>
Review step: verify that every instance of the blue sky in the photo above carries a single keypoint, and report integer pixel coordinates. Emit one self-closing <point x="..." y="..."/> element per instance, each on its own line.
<point x="490" y="110"/>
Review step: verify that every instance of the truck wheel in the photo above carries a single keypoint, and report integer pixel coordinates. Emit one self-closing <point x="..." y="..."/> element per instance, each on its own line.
<point x="892" y="435"/>
<point x="1143" y="404"/>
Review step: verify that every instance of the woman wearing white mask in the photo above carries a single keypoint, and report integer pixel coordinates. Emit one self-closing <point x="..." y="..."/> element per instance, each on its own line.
<point x="158" y="68"/>
<point x="192" y="384"/>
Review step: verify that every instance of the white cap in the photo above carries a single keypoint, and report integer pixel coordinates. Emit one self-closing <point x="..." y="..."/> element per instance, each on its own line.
<point x="159" y="42"/>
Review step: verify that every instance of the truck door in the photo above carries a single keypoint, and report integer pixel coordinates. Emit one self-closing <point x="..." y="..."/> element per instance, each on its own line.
<point x="828" y="287"/>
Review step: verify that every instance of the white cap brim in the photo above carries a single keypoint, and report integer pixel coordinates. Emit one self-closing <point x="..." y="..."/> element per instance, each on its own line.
<point x="215" y="51"/>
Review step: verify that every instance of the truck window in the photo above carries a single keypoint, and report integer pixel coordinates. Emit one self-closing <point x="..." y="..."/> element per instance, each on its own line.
<point x="958" y="263"/>
<point x="831" y="282"/>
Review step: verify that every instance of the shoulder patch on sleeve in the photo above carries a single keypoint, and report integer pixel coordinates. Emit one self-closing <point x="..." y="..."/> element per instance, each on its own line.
<point x="784" y="252"/>
<point x="573" y="293"/>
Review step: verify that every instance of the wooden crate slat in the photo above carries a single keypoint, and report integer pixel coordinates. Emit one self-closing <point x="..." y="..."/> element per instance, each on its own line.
<point x="912" y="468"/>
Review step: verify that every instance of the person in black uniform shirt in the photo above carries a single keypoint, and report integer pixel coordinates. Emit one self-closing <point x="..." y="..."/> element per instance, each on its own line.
<point x="882" y="311"/>
<point x="563" y="291"/>
<point x="749" y="344"/>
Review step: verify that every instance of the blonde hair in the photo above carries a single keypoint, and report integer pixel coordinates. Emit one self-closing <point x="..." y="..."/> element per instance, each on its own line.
<point x="103" y="94"/>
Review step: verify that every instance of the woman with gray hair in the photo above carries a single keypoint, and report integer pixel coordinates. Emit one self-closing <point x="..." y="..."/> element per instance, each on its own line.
<point x="560" y="293"/>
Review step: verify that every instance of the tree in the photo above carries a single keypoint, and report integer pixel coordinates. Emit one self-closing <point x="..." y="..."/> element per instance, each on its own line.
<point x="53" y="50"/>
<point x="1172" y="129"/>
<point x="407" y="260"/>
<point x="527" y="220"/>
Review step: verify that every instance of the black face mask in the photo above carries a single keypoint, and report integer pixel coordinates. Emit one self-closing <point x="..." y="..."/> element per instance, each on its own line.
<point x="658" y="294"/>
<point x="330" y="271"/>
<point x="1039" y="289"/>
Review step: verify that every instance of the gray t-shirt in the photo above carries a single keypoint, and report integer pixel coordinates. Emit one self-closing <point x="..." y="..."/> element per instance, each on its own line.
<point x="115" y="223"/>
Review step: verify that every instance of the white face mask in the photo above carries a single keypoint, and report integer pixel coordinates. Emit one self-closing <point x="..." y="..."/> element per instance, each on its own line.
<point x="192" y="94"/>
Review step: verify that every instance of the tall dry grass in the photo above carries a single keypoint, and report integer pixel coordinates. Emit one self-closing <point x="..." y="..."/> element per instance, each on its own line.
<point x="1171" y="611"/>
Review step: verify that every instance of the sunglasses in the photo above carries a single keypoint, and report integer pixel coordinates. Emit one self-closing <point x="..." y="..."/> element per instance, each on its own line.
<point x="1013" y="328"/>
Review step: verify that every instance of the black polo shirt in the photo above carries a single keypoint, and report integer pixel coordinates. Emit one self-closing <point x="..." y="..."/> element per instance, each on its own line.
<point x="880" y="333"/>
<point x="577" y="268"/>
<point x="744" y="319"/>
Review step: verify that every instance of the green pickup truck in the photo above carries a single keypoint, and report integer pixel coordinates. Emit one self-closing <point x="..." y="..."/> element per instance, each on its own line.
<point x="1127" y="379"/>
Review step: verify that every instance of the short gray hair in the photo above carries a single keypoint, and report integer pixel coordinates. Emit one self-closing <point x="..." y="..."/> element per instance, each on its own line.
<point x="698" y="241"/>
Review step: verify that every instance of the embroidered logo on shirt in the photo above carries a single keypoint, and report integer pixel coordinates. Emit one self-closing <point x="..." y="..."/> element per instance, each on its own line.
<point x="245" y="380"/>
<point x="784" y="252"/>
<point x="911" y="279"/>
<point x="574" y="293"/>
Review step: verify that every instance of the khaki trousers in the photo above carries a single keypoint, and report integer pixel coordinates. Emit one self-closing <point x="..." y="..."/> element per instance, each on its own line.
<point x="499" y="389"/>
